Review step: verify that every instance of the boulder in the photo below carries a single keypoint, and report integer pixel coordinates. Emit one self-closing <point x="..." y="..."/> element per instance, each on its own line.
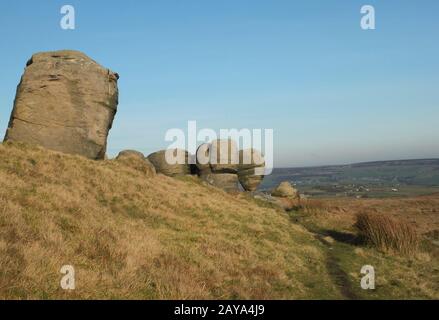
<point x="65" y="102"/>
<point x="285" y="190"/>
<point x="178" y="164"/>
<point x="137" y="161"/>
<point x="224" y="156"/>
<point x="226" y="181"/>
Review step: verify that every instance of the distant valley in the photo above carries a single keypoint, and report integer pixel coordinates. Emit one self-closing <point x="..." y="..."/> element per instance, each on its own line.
<point x="380" y="179"/>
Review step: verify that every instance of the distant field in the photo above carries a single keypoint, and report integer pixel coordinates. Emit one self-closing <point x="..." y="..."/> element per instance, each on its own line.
<point x="365" y="180"/>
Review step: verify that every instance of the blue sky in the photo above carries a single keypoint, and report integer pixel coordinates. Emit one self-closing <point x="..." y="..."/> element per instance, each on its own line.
<point x="332" y="92"/>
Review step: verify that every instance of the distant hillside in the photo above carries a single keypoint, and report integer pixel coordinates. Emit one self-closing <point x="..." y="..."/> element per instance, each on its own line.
<point x="413" y="177"/>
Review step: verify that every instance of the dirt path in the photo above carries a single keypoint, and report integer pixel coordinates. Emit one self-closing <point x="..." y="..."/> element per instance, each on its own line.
<point x="338" y="276"/>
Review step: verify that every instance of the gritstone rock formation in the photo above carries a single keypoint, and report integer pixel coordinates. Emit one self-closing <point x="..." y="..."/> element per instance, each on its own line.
<point x="179" y="167"/>
<point x="65" y="102"/>
<point x="136" y="160"/>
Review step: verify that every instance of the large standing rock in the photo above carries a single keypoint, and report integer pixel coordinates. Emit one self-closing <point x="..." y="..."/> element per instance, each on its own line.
<point x="65" y="102"/>
<point x="137" y="161"/>
<point x="181" y="166"/>
<point x="251" y="169"/>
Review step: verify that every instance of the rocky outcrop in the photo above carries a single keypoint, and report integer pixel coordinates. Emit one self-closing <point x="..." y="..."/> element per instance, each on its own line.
<point x="136" y="160"/>
<point x="65" y="102"/>
<point x="177" y="165"/>
<point x="251" y="169"/>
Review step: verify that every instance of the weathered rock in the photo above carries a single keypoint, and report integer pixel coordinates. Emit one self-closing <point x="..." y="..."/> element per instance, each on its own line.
<point x="136" y="160"/>
<point x="226" y="181"/>
<point x="65" y="102"/>
<point x="285" y="190"/>
<point x="249" y="179"/>
<point x="251" y="169"/>
<point x="224" y="156"/>
<point x="179" y="166"/>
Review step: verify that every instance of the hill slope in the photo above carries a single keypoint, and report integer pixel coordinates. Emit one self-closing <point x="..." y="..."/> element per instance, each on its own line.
<point x="131" y="236"/>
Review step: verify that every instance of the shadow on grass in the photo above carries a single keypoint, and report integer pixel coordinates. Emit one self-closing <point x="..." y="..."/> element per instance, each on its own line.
<point x="344" y="237"/>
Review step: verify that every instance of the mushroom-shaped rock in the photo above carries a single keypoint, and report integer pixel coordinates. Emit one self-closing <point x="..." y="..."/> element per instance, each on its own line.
<point x="136" y="160"/>
<point x="65" y="102"/>
<point x="172" y="162"/>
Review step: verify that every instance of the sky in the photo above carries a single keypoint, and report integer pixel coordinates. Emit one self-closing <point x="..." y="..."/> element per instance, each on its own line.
<point x="332" y="92"/>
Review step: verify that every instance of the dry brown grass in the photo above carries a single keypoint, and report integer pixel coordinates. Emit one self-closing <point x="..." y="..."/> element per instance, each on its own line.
<point x="133" y="236"/>
<point x="421" y="212"/>
<point x="388" y="233"/>
<point x="400" y="276"/>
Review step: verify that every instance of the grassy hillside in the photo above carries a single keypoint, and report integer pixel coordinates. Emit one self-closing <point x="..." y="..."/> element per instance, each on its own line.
<point x="133" y="236"/>
<point x="130" y="236"/>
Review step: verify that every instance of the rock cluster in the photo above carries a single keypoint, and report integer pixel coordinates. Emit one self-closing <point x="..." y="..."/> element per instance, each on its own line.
<point x="218" y="163"/>
<point x="65" y="102"/>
